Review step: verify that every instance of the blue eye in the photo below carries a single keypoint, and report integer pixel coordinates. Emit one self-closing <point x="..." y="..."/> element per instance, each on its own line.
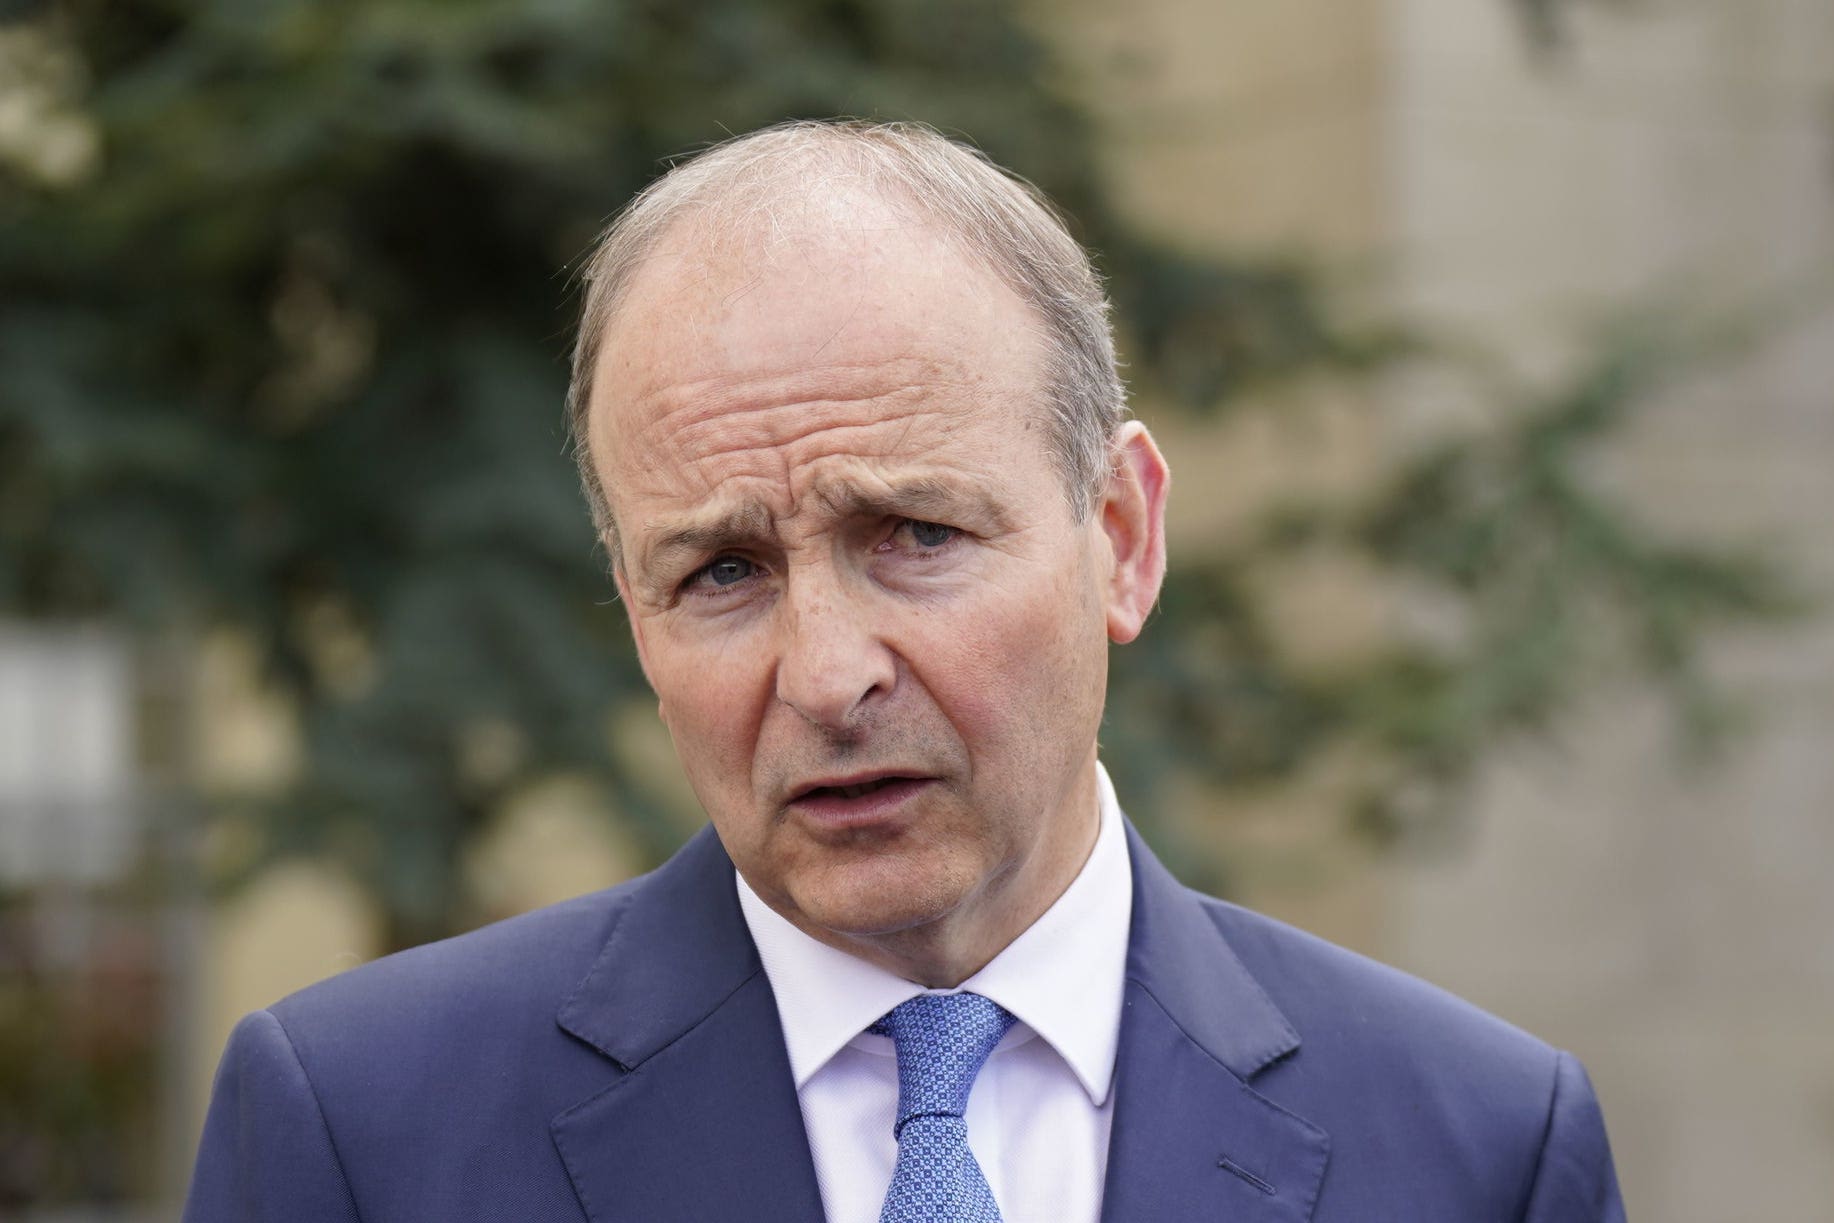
<point x="930" y="534"/>
<point x="728" y="570"/>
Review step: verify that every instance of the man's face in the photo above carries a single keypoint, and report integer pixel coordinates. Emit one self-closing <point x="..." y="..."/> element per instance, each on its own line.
<point x="877" y="635"/>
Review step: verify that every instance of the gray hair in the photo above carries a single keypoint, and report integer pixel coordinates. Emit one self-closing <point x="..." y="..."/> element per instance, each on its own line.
<point x="994" y="214"/>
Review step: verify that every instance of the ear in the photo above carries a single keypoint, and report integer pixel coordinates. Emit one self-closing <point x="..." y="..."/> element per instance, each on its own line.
<point x="1133" y="518"/>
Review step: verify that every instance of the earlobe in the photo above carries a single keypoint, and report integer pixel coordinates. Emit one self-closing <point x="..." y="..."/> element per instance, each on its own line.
<point x="1133" y="518"/>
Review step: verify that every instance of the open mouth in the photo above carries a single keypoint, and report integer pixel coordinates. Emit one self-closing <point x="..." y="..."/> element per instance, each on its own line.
<point x="867" y="801"/>
<point x="859" y="790"/>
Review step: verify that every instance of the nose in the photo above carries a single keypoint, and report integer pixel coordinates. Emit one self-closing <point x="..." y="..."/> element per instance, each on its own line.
<point x="833" y="665"/>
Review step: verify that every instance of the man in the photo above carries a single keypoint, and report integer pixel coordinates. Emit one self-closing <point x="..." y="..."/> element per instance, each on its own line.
<point x="849" y="419"/>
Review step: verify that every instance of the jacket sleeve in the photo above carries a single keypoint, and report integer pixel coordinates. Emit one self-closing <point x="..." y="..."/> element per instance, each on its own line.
<point x="266" y="1155"/>
<point x="1574" y="1180"/>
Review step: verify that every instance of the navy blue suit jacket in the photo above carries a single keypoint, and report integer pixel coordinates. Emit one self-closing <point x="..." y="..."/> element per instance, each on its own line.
<point x="618" y="1059"/>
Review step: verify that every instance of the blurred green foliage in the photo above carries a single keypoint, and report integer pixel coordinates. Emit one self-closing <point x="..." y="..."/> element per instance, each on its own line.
<point x="1548" y="23"/>
<point x="282" y="348"/>
<point x="78" y="1065"/>
<point x="1529" y="588"/>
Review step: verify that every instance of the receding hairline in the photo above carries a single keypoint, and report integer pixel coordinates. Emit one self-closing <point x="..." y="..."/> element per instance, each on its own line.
<point x="746" y="249"/>
<point x="711" y="238"/>
<point x="993" y="217"/>
<point x="792" y="165"/>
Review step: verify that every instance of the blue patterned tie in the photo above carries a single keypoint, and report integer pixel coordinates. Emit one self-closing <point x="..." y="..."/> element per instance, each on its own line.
<point x="943" y="1040"/>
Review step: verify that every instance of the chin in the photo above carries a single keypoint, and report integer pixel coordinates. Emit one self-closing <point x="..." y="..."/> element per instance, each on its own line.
<point x="863" y="899"/>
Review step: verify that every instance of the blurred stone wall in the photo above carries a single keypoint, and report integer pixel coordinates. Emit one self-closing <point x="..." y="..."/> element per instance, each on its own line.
<point x="1670" y="920"/>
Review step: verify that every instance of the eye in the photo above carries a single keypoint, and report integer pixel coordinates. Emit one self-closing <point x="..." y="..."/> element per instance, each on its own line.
<point x="928" y="534"/>
<point x="726" y="571"/>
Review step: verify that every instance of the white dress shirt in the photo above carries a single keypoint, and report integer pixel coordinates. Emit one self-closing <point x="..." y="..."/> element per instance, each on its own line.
<point x="1039" y="1116"/>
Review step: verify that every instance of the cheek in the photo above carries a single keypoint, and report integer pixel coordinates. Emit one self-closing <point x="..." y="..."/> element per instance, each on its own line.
<point x="710" y="702"/>
<point x="1015" y="676"/>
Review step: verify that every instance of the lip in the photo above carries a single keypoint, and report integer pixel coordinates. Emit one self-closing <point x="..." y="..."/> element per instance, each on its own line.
<point x="822" y="800"/>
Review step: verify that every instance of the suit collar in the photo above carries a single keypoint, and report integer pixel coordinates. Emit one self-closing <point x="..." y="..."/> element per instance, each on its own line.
<point x="704" y="1122"/>
<point x="1191" y="1137"/>
<point x="705" y="1109"/>
<point x="681" y="947"/>
<point x="676" y="952"/>
<point x="1177" y="954"/>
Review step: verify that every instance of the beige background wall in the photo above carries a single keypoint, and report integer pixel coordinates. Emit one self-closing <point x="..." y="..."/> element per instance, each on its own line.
<point x="1674" y="926"/>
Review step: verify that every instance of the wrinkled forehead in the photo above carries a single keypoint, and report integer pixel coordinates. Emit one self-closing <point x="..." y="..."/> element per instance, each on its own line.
<point x="813" y="286"/>
<point x="832" y="293"/>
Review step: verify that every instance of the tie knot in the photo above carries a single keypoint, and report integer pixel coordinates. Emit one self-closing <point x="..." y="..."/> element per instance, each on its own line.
<point x="943" y="1040"/>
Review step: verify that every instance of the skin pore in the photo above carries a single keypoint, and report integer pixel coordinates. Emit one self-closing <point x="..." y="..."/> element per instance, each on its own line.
<point x="876" y="632"/>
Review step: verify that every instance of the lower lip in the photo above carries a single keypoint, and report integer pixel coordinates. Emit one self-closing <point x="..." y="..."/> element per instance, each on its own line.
<point x="838" y="811"/>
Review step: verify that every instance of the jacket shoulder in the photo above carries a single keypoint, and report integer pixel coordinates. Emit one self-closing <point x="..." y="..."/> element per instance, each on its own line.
<point x="1391" y="1065"/>
<point x="486" y="1001"/>
<point x="1343" y="994"/>
<point x="527" y="962"/>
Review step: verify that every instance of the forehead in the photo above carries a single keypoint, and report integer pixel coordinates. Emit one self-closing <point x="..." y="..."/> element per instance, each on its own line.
<point x="848" y="334"/>
<point x="804" y="286"/>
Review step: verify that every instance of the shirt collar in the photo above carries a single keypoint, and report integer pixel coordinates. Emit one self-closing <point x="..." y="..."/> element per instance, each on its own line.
<point x="1063" y="976"/>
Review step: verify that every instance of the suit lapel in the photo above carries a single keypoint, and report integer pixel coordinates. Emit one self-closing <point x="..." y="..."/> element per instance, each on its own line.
<point x="701" y="1119"/>
<point x="1191" y="1137"/>
<point x="703" y="1123"/>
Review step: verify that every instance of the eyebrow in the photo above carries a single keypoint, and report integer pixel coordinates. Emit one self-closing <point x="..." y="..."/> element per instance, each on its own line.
<point x="919" y="497"/>
<point x="959" y="502"/>
<point x="747" y="521"/>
